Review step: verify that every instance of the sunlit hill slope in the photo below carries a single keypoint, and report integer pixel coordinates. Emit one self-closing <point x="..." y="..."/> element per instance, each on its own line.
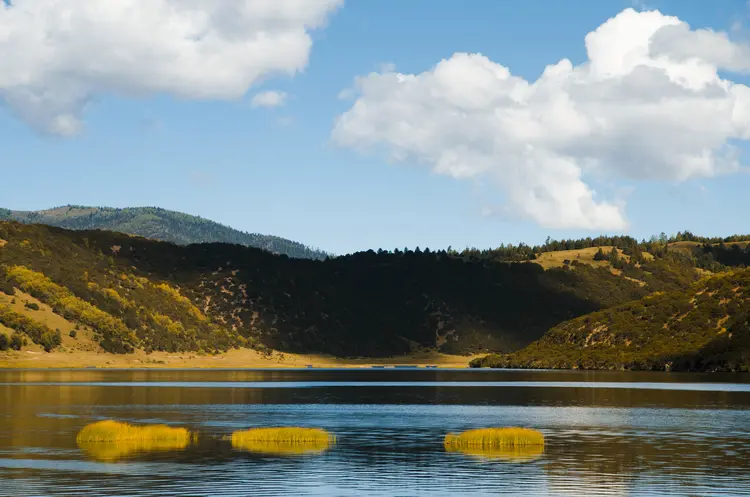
<point x="704" y="328"/>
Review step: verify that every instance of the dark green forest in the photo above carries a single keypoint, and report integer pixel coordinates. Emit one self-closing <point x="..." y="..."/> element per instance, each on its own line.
<point x="159" y="224"/>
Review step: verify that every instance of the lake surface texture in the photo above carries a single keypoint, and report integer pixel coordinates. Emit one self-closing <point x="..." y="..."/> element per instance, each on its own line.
<point x="606" y="433"/>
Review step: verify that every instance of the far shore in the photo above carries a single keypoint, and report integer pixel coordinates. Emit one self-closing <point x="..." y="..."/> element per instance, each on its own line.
<point x="234" y="359"/>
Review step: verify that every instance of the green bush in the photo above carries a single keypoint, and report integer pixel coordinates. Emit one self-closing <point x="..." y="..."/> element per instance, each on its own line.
<point x="4" y="342"/>
<point x="50" y="339"/>
<point x="6" y="286"/>
<point x="31" y="306"/>
<point x="17" y="341"/>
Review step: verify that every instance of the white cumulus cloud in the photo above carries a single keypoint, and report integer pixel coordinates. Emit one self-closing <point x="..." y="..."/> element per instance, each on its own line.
<point x="57" y="55"/>
<point x="269" y="98"/>
<point x="648" y="104"/>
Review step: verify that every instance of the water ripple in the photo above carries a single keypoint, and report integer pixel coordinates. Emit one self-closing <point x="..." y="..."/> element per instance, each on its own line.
<point x="384" y="449"/>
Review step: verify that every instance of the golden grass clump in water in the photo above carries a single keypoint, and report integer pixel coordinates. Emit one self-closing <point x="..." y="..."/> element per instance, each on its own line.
<point x="282" y="441"/>
<point x="115" y="431"/>
<point x="494" y="438"/>
<point x="111" y="440"/>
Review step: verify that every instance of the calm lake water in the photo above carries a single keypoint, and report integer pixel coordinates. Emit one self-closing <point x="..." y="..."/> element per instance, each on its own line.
<point x="606" y="433"/>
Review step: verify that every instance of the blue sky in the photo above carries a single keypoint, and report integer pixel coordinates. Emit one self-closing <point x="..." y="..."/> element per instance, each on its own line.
<point x="278" y="170"/>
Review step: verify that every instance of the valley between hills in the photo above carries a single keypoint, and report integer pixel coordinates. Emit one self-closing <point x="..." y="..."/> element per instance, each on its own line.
<point x="99" y="298"/>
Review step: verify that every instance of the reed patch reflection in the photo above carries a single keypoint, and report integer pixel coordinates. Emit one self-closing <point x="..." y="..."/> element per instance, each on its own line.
<point x="517" y="454"/>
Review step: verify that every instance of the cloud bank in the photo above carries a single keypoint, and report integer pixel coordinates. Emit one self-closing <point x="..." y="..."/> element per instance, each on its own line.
<point x="648" y="104"/>
<point x="57" y="55"/>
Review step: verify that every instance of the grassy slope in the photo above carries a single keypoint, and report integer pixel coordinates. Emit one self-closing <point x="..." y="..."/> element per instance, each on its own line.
<point x="704" y="327"/>
<point x="159" y="224"/>
<point x="549" y="260"/>
<point x="84" y="337"/>
<point x="137" y="293"/>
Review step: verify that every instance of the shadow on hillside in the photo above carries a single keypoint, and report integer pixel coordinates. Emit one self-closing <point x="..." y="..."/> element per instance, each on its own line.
<point x="371" y="304"/>
<point x="728" y="352"/>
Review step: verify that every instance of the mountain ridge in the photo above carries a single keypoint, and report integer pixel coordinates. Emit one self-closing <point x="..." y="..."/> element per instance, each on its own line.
<point x="159" y="224"/>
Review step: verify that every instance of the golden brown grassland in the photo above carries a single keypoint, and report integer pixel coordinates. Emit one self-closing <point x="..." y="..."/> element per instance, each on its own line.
<point x="75" y="356"/>
<point x="549" y="260"/>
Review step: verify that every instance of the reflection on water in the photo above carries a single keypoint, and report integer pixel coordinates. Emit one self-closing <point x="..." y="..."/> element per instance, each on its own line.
<point x="282" y="448"/>
<point x="114" y="451"/>
<point x="598" y="441"/>
<point x="516" y="454"/>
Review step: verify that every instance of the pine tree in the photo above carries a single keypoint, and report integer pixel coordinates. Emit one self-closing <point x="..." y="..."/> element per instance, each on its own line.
<point x="614" y="255"/>
<point x="637" y="255"/>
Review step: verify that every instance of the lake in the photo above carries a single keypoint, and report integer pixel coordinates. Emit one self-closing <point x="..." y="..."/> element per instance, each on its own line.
<point x="606" y="433"/>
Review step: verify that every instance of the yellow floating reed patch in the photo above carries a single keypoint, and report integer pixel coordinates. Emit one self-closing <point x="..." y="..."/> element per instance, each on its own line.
<point x="282" y="441"/>
<point x="110" y="440"/>
<point x="115" y="431"/>
<point x="495" y="438"/>
<point x="514" y="454"/>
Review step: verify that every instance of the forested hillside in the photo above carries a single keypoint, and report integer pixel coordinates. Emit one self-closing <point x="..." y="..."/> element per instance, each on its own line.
<point x="703" y="328"/>
<point x="130" y="292"/>
<point x="710" y="253"/>
<point x="159" y="224"/>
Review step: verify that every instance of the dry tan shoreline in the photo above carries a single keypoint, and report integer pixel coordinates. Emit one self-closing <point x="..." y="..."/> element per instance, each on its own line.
<point x="234" y="359"/>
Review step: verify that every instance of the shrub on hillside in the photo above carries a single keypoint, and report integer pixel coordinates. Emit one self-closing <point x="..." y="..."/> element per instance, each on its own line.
<point x="6" y="286"/>
<point x="50" y="339"/>
<point x="17" y="341"/>
<point x="38" y="332"/>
